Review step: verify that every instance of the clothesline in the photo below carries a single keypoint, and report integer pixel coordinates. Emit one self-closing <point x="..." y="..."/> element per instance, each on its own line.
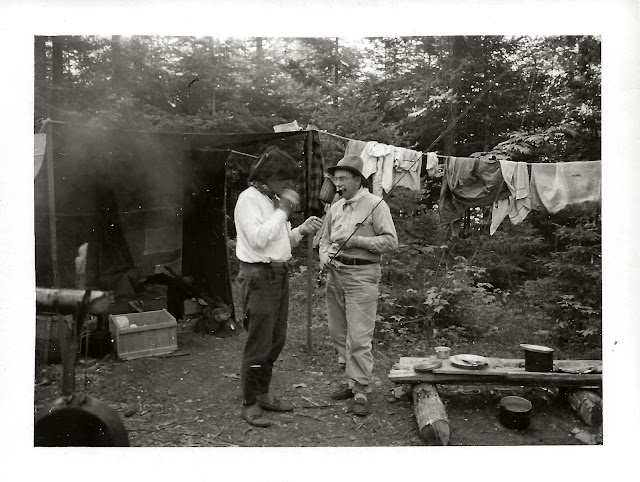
<point x="439" y="155"/>
<point x="349" y="139"/>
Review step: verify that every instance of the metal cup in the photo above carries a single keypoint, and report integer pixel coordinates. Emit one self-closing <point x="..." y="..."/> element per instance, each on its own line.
<point x="442" y="352"/>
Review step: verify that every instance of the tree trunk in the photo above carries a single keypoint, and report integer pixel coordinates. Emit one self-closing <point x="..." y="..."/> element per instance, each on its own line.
<point x="40" y="59"/>
<point x="214" y="69"/>
<point x="431" y="415"/>
<point x="57" y="62"/>
<point x="117" y="67"/>
<point x="457" y="52"/>
<point x="336" y="71"/>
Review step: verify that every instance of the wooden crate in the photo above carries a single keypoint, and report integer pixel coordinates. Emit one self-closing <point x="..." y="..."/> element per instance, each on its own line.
<point x="154" y="333"/>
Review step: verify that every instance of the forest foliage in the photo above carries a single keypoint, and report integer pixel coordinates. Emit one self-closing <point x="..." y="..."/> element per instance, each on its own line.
<point x="534" y="99"/>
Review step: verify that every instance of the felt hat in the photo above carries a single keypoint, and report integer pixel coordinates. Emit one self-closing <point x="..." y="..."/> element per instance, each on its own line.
<point x="275" y="164"/>
<point x="351" y="163"/>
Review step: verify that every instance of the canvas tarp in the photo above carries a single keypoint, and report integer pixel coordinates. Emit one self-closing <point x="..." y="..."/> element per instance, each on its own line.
<point x="142" y="200"/>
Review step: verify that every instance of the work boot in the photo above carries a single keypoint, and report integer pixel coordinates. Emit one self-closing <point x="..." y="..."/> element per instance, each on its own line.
<point x="253" y="415"/>
<point x="342" y="393"/>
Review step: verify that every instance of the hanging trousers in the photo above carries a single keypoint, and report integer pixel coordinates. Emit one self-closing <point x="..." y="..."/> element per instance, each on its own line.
<point x="264" y="291"/>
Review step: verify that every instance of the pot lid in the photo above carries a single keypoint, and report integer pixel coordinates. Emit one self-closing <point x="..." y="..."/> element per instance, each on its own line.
<point x="536" y="348"/>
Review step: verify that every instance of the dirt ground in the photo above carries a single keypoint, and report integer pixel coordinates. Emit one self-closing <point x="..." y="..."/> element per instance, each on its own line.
<point x="193" y="398"/>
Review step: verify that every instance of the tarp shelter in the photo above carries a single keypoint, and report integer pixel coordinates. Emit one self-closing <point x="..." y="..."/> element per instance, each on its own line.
<point x="141" y="200"/>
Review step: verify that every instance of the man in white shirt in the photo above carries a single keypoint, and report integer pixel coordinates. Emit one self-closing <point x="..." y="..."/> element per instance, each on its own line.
<point x="264" y="242"/>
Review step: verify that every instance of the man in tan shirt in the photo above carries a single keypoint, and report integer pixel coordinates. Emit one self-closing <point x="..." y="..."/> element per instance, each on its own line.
<point x="358" y="228"/>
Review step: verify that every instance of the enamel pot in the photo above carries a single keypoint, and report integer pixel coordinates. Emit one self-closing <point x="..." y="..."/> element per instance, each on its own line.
<point x="515" y="412"/>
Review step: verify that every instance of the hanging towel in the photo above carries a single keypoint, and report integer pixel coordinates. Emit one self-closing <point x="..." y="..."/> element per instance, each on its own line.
<point x="518" y="205"/>
<point x="369" y="159"/>
<point x="432" y="164"/>
<point x="354" y="147"/>
<point x="407" y="165"/>
<point x="378" y="161"/>
<point x="567" y="188"/>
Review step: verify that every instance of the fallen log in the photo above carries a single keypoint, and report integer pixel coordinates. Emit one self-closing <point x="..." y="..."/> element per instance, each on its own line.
<point x="587" y="404"/>
<point x="431" y="415"/>
<point x="68" y="299"/>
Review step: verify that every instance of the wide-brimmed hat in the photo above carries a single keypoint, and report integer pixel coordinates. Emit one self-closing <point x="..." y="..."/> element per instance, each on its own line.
<point x="275" y="163"/>
<point x="351" y="163"/>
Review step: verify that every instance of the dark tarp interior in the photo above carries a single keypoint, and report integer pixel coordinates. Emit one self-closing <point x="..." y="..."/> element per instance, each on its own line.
<point x="142" y="201"/>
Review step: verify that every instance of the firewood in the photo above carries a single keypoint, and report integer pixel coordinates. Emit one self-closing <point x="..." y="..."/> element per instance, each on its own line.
<point x="431" y="415"/>
<point x="587" y="404"/>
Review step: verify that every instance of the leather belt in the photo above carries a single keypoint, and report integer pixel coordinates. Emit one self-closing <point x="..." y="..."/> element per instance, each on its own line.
<point x="354" y="261"/>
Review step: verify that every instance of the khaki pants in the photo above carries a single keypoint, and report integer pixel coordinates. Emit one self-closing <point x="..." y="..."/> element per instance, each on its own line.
<point x="352" y="303"/>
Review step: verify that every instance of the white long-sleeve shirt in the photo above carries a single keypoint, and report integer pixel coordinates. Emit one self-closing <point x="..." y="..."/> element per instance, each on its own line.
<point x="263" y="232"/>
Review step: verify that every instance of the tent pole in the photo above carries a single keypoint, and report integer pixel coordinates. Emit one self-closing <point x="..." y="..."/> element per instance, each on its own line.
<point x="53" y="241"/>
<point x="308" y="160"/>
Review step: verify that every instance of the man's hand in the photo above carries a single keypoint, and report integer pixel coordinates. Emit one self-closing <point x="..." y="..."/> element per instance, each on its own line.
<point x="289" y="201"/>
<point x="311" y="225"/>
<point x="324" y="261"/>
<point x="343" y="243"/>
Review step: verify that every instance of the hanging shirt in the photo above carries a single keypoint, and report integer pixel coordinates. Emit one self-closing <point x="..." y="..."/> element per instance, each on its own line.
<point x="407" y="165"/>
<point x="518" y="205"/>
<point x="569" y="188"/>
<point x="263" y="232"/>
<point x="469" y="182"/>
<point x="376" y="233"/>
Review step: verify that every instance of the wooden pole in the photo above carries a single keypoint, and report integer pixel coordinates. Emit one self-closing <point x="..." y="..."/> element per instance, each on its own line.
<point x="309" y="156"/>
<point x="53" y="241"/>
<point x="68" y="299"/>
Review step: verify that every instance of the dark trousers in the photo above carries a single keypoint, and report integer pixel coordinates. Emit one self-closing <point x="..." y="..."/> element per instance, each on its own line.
<point x="264" y="290"/>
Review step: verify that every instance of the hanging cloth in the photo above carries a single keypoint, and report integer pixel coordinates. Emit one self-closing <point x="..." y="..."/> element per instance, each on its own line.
<point x="567" y="188"/>
<point x="355" y="147"/>
<point x="310" y="189"/>
<point x="407" y="165"/>
<point x="518" y="205"/>
<point x="374" y="157"/>
<point x="469" y="182"/>
<point x="432" y="165"/>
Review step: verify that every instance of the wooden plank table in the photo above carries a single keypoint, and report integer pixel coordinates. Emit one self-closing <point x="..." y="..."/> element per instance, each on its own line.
<point x="431" y="417"/>
<point x="499" y="372"/>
